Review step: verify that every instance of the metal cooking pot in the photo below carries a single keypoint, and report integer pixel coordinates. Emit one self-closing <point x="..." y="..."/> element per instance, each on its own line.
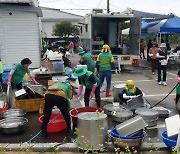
<point x="152" y="122"/>
<point x="93" y="128"/>
<point x="116" y="90"/>
<point x="110" y="108"/>
<point x="10" y="113"/>
<point x="13" y="125"/>
<point x="122" y="115"/>
<point x="147" y="114"/>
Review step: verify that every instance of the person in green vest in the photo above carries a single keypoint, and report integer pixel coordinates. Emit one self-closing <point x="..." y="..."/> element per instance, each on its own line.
<point x="130" y="91"/>
<point x="17" y="73"/>
<point x="92" y="85"/>
<point x="178" y="87"/>
<point x="58" y="94"/>
<point x="1" y="72"/>
<point x="105" y="63"/>
<point x="86" y="59"/>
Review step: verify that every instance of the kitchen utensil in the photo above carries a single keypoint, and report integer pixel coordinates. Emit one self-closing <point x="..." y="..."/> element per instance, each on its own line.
<point x="130" y="126"/>
<point x="135" y="103"/>
<point x="13" y="125"/>
<point x="93" y="127"/>
<point x="110" y="108"/>
<point x="13" y="113"/>
<point x="116" y="90"/>
<point x="20" y="94"/>
<point x="122" y="116"/>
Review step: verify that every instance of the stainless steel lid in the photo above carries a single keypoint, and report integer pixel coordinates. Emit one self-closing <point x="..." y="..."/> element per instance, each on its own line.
<point x="119" y="86"/>
<point x="111" y="107"/>
<point x="146" y="112"/>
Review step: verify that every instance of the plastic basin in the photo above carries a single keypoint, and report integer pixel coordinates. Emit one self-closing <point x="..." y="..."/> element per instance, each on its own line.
<point x="75" y="112"/>
<point x="57" y="124"/>
<point x="169" y="141"/>
<point x="115" y="134"/>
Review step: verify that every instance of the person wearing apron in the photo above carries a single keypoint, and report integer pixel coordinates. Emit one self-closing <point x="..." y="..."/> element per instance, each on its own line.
<point x="17" y="73"/>
<point x="86" y="59"/>
<point x="130" y="91"/>
<point x="178" y="88"/>
<point x="59" y="94"/>
<point x="91" y="83"/>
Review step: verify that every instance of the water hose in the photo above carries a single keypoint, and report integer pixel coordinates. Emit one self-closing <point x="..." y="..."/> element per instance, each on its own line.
<point x="36" y="135"/>
<point x="164" y="97"/>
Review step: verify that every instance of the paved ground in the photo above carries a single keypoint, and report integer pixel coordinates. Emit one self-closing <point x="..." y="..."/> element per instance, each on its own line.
<point x="144" y="80"/>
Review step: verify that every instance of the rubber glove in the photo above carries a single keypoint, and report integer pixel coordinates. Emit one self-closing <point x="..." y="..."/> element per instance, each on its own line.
<point x="79" y="91"/>
<point x="132" y="97"/>
<point x="178" y="79"/>
<point x="9" y="80"/>
<point x="93" y="90"/>
<point x="34" y="80"/>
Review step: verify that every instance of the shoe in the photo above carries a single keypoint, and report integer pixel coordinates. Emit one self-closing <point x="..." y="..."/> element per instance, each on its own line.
<point x="153" y="73"/>
<point x="164" y="83"/>
<point x="108" y="92"/>
<point x="159" y="83"/>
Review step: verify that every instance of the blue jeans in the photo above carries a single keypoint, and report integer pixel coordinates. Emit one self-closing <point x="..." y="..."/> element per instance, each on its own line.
<point x="107" y="75"/>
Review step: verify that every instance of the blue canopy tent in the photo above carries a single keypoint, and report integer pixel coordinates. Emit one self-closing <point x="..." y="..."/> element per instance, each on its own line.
<point x="146" y="25"/>
<point x="171" y="25"/>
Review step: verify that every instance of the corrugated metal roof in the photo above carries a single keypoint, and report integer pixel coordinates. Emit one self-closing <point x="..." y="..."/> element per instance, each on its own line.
<point x="50" y="14"/>
<point x="30" y="2"/>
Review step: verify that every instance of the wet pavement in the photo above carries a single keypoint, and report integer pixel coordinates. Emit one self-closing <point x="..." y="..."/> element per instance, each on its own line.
<point x="143" y="79"/>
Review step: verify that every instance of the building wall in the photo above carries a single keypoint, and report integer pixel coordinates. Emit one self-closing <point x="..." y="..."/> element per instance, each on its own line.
<point x="19" y="37"/>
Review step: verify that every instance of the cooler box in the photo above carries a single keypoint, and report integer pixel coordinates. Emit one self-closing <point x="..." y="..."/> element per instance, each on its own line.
<point x="58" y="66"/>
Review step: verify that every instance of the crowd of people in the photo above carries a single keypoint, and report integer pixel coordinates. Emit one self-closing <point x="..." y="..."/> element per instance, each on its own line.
<point x="60" y="93"/>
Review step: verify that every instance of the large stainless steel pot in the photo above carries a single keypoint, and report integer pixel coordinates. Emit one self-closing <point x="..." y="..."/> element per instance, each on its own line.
<point x="10" y="113"/>
<point x="116" y="90"/>
<point x="122" y="116"/>
<point x="13" y="125"/>
<point x="110" y="108"/>
<point x="93" y="130"/>
<point x="149" y="115"/>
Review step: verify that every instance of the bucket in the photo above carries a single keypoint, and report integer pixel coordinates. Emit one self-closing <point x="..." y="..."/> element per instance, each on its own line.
<point x="75" y="112"/>
<point x="58" y="66"/>
<point x="58" y="123"/>
<point x="116" y="90"/>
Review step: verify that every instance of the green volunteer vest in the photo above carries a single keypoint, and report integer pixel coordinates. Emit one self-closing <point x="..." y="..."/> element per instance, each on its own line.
<point x="85" y="81"/>
<point x="19" y="73"/>
<point x="1" y="68"/>
<point x="89" y="61"/>
<point x="178" y="89"/>
<point x="105" y="61"/>
<point x="65" y="88"/>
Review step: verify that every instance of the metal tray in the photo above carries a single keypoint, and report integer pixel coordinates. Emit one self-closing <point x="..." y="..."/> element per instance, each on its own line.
<point x="131" y="126"/>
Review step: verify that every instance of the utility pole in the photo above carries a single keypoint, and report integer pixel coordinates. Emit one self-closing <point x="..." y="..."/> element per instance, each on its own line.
<point x="108" y="6"/>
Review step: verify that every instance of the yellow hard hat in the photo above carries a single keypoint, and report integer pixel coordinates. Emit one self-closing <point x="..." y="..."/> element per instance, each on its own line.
<point x="105" y="48"/>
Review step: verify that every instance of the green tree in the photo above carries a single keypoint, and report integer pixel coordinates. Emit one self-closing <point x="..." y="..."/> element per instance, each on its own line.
<point x="65" y="29"/>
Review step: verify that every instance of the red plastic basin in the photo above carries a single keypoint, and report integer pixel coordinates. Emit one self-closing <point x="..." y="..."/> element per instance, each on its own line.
<point x="57" y="124"/>
<point x="75" y="112"/>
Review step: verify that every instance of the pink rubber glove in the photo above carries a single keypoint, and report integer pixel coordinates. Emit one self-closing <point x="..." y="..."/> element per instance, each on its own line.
<point x="80" y="91"/>
<point x="9" y="80"/>
<point x="34" y="80"/>
<point x="92" y="91"/>
<point x="178" y="79"/>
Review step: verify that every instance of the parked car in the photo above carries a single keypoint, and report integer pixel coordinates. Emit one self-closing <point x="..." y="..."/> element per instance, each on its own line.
<point x="60" y="43"/>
